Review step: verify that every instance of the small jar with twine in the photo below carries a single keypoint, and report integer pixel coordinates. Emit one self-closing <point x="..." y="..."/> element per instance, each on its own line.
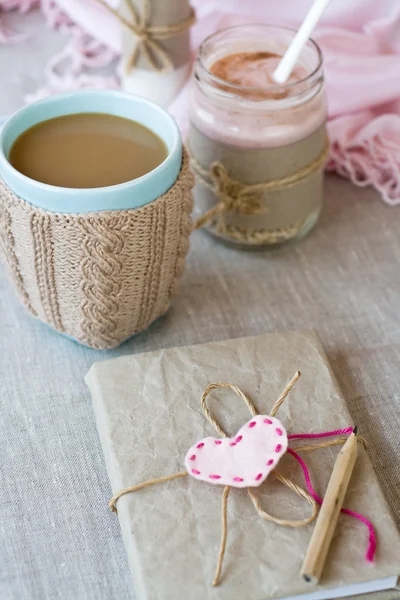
<point x="257" y="149"/>
<point x="156" y="58"/>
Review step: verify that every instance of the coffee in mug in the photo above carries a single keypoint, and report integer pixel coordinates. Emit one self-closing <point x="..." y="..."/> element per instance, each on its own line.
<point x="87" y="150"/>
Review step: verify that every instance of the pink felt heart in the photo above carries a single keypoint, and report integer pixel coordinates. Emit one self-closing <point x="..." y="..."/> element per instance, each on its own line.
<point x="244" y="460"/>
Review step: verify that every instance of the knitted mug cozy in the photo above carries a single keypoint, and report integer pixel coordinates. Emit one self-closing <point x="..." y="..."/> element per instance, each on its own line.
<point x="98" y="277"/>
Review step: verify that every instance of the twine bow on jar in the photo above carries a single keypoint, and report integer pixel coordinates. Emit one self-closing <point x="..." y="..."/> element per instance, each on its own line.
<point x="233" y="195"/>
<point x="148" y="37"/>
<point x="245" y="199"/>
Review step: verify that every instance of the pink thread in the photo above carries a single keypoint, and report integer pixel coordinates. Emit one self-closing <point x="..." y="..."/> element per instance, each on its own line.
<point x="279" y="431"/>
<point x="240" y="479"/>
<point x="252" y="424"/>
<point x="195" y="472"/>
<point x="372" y="537"/>
<point x="310" y="436"/>
<point x="200" y="445"/>
<point x="232" y="444"/>
<point x="270" y="462"/>
<point x="268" y="421"/>
<point x="193" y="457"/>
<point x="259" y="477"/>
<point x="218" y="442"/>
<point x="239" y="438"/>
<point x="215" y="476"/>
<point x="278" y="448"/>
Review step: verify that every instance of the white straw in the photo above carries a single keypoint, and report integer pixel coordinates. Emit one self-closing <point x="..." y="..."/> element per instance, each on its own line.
<point x="290" y="58"/>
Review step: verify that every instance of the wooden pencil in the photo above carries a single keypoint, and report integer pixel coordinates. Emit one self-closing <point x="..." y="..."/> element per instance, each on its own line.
<point x="330" y="510"/>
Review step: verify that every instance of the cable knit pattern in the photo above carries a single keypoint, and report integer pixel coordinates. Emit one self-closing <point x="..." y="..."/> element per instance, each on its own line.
<point x="7" y="248"/>
<point x="99" y="277"/>
<point x="44" y="267"/>
<point x="101" y="270"/>
<point x="185" y="228"/>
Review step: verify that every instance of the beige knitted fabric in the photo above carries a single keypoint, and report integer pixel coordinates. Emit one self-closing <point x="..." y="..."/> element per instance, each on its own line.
<point x="98" y="277"/>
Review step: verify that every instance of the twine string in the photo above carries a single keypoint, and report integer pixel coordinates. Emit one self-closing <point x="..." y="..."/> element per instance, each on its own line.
<point x="255" y="500"/>
<point x="140" y="486"/>
<point x="285" y="522"/>
<point x="324" y="434"/>
<point x="229" y="386"/>
<point x="283" y="396"/>
<point x="310" y="496"/>
<point x="242" y="198"/>
<point x="224" y="534"/>
<point x="148" y="37"/>
<point x="328" y="444"/>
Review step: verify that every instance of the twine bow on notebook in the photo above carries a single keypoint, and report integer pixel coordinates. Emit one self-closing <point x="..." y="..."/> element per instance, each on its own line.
<point x="148" y="37"/>
<point x="245" y="199"/>
<point x="310" y="496"/>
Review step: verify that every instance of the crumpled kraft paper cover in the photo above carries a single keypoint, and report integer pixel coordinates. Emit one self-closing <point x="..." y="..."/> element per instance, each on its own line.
<point x="148" y="414"/>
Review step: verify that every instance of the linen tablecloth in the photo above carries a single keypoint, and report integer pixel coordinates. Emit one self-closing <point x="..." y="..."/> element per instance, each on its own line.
<point x="58" y="539"/>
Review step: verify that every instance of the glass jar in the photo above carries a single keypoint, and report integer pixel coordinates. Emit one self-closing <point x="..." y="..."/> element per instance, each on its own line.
<point x="258" y="153"/>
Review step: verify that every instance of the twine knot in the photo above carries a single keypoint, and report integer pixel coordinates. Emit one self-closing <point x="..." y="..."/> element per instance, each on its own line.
<point x="234" y="194"/>
<point x="148" y="37"/>
<point x="246" y="199"/>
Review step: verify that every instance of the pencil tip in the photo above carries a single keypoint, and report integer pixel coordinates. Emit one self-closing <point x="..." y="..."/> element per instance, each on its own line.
<point x="307" y="578"/>
<point x="355" y="430"/>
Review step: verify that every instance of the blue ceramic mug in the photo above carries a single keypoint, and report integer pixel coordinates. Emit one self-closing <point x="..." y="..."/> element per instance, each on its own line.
<point x="131" y="194"/>
<point x="100" y="264"/>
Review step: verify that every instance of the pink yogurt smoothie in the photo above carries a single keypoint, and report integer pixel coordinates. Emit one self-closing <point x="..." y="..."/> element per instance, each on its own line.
<point x="252" y="70"/>
<point x="256" y="113"/>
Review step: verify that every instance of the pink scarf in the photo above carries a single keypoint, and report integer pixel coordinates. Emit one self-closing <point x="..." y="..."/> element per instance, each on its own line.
<point x="361" y="44"/>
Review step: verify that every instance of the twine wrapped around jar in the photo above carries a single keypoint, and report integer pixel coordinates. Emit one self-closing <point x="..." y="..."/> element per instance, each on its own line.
<point x="98" y="277"/>
<point x="246" y="199"/>
<point x="147" y="36"/>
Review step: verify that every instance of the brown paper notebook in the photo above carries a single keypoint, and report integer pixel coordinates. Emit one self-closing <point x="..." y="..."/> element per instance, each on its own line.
<point x="148" y="415"/>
